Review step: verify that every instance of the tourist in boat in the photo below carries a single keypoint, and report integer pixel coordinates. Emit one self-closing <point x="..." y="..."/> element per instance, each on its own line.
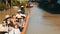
<point x="12" y="26"/>
<point x="11" y="29"/>
<point x="4" y="26"/>
<point x="6" y="23"/>
<point x="22" y="9"/>
<point x="7" y="19"/>
<point x="20" y="16"/>
<point x="16" y="29"/>
<point x="14" y="19"/>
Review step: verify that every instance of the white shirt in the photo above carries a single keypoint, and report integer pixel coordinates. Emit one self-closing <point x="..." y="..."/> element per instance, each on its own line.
<point x="11" y="32"/>
<point x="19" y="15"/>
<point x="17" y="31"/>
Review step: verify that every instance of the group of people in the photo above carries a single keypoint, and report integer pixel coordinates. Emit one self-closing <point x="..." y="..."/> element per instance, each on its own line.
<point x="15" y="23"/>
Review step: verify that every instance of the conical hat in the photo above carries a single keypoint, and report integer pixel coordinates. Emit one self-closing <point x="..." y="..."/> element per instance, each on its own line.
<point x="22" y="6"/>
<point x="19" y="10"/>
<point x="7" y="16"/>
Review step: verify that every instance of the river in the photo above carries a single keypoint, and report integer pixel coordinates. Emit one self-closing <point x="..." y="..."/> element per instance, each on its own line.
<point x="39" y="23"/>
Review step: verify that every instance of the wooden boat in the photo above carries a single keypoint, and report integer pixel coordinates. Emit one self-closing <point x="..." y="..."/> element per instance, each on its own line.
<point x="25" y="26"/>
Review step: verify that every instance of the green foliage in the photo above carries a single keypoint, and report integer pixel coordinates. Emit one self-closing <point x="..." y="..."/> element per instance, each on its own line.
<point x="2" y="6"/>
<point x="16" y="3"/>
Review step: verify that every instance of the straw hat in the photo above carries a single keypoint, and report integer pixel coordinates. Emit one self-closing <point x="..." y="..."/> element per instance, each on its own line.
<point x="19" y="10"/>
<point x="7" y="16"/>
<point x="22" y="6"/>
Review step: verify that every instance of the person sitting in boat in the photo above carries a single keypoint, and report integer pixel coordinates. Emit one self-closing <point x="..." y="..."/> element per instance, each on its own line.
<point x="6" y="23"/>
<point x="16" y="29"/>
<point x="4" y="26"/>
<point x="7" y="19"/>
<point x="14" y="19"/>
<point x="12" y="28"/>
<point x="20" y="16"/>
<point x="22" y="9"/>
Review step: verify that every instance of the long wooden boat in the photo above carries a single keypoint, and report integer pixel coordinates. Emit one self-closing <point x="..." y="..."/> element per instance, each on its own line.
<point x="25" y="26"/>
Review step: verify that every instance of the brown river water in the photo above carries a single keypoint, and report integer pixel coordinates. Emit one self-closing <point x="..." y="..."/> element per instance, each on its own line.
<point x="41" y="22"/>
